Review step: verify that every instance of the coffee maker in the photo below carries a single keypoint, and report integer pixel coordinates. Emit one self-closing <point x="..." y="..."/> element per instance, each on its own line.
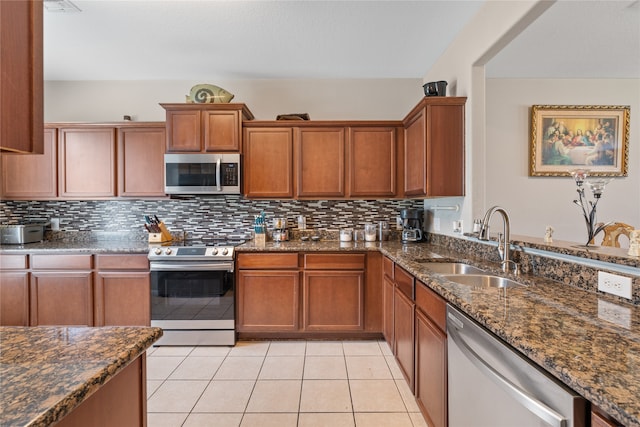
<point x="412" y="220"/>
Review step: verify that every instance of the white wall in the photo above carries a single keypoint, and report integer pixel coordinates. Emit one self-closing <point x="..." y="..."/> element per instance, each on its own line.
<point x="534" y="202"/>
<point x="349" y="99"/>
<point x="462" y="65"/>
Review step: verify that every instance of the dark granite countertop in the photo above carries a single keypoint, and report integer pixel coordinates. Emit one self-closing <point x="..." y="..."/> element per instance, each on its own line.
<point x="88" y="246"/>
<point x="45" y="372"/>
<point x="564" y="329"/>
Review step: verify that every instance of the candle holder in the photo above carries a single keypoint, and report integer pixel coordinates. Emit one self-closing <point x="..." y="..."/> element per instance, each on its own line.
<point x="589" y="206"/>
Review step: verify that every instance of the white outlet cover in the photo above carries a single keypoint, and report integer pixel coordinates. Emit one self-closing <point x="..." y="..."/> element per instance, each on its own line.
<point x="614" y="284"/>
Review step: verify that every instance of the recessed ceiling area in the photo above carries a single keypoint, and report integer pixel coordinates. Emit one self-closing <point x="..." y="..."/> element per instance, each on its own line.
<point x="218" y="39"/>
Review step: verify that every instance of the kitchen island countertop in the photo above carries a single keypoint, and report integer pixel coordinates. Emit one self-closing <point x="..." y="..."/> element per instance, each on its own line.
<point x="46" y="372"/>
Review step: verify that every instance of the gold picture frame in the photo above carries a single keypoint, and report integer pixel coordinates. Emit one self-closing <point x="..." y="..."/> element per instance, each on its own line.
<point x="568" y="137"/>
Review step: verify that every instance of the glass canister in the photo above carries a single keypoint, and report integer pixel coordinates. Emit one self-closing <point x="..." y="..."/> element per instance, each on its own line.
<point x="346" y="235"/>
<point x="370" y="231"/>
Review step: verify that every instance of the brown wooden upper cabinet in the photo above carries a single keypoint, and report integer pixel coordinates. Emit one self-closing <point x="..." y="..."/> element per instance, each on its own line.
<point x="141" y="160"/>
<point x="87" y="162"/>
<point x="321" y="160"/>
<point x="268" y="162"/>
<point x="202" y="128"/>
<point x="320" y="167"/>
<point x="372" y="154"/>
<point x="21" y="85"/>
<point x="434" y="148"/>
<point x="32" y="176"/>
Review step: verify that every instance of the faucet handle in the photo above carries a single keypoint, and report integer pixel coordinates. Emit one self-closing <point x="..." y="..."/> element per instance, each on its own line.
<point x="505" y="267"/>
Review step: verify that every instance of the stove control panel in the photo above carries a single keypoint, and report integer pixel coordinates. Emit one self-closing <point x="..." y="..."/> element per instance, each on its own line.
<point x="191" y="252"/>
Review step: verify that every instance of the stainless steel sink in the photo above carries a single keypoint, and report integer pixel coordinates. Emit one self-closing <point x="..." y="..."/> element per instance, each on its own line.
<point x="482" y="280"/>
<point x="452" y="268"/>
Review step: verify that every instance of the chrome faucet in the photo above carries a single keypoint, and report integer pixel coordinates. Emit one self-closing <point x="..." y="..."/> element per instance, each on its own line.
<point x="504" y="244"/>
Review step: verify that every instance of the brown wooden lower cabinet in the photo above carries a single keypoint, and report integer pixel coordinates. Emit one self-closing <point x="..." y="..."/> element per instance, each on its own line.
<point x="388" y="291"/>
<point x="268" y="301"/>
<point x="403" y="333"/>
<point x="431" y="370"/>
<point x="333" y="300"/>
<point x="14" y="298"/>
<point x="120" y="402"/>
<point x="61" y="298"/>
<point x="600" y="420"/>
<point x="122" y="290"/>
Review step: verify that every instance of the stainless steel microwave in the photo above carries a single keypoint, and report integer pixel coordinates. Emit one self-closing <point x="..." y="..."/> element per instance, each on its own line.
<point x="202" y="173"/>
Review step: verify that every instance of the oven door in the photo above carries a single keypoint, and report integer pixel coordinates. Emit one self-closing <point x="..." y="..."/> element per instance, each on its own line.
<point x="192" y="296"/>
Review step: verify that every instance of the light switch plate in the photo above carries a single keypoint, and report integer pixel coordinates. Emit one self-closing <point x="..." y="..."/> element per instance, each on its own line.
<point x="614" y="284"/>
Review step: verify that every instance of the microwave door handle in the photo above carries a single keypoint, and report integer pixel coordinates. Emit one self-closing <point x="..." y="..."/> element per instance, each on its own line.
<point x="218" y="186"/>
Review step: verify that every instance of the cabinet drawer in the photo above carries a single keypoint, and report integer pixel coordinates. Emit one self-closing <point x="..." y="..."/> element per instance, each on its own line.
<point x="61" y="262"/>
<point x="271" y="260"/>
<point x="387" y="267"/>
<point x="432" y="305"/>
<point x="404" y="281"/>
<point x="334" y="261"/>
<point x="13" y="262"/>
<point x="122" y="262"/>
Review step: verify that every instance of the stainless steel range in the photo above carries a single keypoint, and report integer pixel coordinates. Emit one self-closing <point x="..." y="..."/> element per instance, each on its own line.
<point x="192" y="293"/>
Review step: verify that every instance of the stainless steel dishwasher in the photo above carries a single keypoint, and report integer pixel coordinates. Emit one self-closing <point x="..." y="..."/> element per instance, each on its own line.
<point x="491" y="385"/>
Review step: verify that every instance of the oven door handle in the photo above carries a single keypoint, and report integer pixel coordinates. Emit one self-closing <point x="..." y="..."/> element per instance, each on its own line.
<point x="190" y="266"/>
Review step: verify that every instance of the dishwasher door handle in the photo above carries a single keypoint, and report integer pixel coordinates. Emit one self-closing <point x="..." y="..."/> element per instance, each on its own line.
<point x="538" y="408"/>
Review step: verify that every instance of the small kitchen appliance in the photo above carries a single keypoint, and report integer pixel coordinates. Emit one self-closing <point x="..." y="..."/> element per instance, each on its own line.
<point x="20" y="234"/>
<point x="192" y="292"/>
<point x="412" y="220"/>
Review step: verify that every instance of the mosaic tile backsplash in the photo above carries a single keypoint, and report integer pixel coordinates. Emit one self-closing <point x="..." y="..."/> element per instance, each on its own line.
<point x="201" y="217"/>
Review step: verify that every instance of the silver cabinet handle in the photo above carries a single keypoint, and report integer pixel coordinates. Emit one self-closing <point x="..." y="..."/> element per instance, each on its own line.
<point x="538" y="408"/>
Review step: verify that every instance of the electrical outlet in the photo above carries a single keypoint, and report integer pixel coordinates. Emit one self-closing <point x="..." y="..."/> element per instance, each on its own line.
<point x="614" y="284"/>
<point x="436" y="224"/>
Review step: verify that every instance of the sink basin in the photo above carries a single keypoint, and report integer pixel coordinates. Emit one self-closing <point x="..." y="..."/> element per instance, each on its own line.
<point x="452" y="268"/>
<point x="482" y="281"/>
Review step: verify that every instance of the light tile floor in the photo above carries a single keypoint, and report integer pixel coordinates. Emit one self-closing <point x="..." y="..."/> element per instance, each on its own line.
<point x="280" y="384"/>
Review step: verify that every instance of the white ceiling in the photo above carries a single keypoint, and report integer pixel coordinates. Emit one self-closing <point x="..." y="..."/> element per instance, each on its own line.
<point x="209" y="39"/>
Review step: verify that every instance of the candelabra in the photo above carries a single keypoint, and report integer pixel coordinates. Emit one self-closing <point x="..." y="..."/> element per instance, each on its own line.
<point x="589" y="206"/>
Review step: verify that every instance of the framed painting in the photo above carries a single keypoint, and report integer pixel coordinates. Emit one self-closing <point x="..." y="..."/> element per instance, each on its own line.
<point x="567" y="137"/>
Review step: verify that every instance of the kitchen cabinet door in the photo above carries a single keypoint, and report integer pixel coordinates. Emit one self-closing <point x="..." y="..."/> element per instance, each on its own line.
<point x="184" y="131"/>
<point x="268" y="162"/>
<point x="372" y="162"/>
<point x="268" y="301"/>
<point x="31" y="176"/>
<point x="431" y="370"/>
<point x="320" y="162"/>
<point x="403" y="333"/>
<point x="14" y="298"/>
<point x="388" y="326"/>
<point x="193" y="128"/>
<point x="122" y="290"/>
<point x="141" y="161"/>
<point x="61" y="298"/>
<point x="222" y="131"/>
<point x="61" y="290"/>
<point x="21" y="85"/>
<point x="434" y="148"/>
<point x="333" y="300"/>
<point x="87" y="162"/>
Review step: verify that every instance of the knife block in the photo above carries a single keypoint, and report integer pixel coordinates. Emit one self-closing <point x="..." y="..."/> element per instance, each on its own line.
<point x="162" y="237"/>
